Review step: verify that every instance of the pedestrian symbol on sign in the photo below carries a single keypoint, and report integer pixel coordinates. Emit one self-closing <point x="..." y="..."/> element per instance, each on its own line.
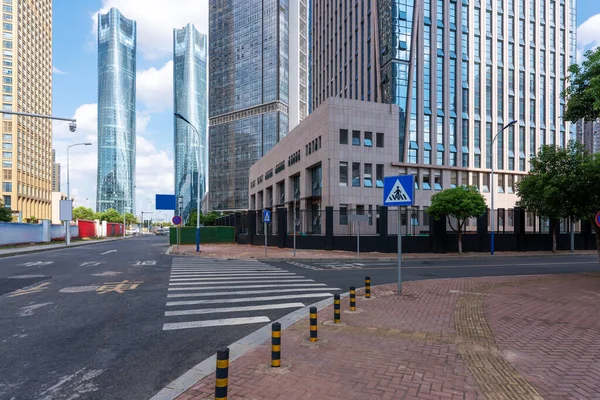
<point x="398" y="190"/>
<point x="398" y="193"/>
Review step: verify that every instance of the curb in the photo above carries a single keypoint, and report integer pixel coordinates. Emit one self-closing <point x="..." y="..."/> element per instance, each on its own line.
<point x="237" y="349"/>
<point x="65" y="247"/>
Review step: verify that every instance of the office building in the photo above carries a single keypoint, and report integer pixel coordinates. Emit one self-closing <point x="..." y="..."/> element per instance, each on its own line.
<point x="190" y="101"/>
<point x="26" y="177"/>
<point x="116" y="112"/>
<point x="55" y="173"/>
<point x="588" y="134"/>
<point x="477" y="66"/>
<point x="251" y="81"/>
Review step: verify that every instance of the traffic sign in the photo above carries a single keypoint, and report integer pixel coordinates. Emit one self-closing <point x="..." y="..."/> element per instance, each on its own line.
<point x="399" y="190"/>
<point x="266" y="216"/>
<point x="598" y="219"/>
<point x="176" y="220"/>
<point x="166" y="202"/>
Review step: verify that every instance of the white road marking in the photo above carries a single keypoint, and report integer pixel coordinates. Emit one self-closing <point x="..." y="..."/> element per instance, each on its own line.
<point x="36" y="263"/>
<point x="255" y="274"/>
<point x="227" y="269"/>
<point x="79" y="289"/>
<point x="173" y="273"/>
<point x="107" y="252"/>
<point x="267" y="291"/>
<point x="233" y="309"/>
<point x="91" y="263"/>
<point x="246" y="286"/>
<point x="215" y="322"/>
<point x="28" y="310"/>
<point x="241" y="300"/>
<point x="232" y="278"/>
<point x="232" y="282"/>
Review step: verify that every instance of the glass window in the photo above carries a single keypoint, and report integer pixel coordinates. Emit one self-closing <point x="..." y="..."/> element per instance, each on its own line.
<point x="7" y="89"/>
<point x="379" y="139"/>
<point x="7" y="186"/>
<point x="7" y="202"/>
<point x="343" y="214"/>
<point x="356" y="174"/>
<point x="7" y="146"/>
<point x="343" y="136"/>
<point x="426" y="182"/>
<point x="368" y="176"/>
<point x="7" y="137"/>
<point x="355" y="138"/>
<point x="485" y="187"/>
<point x="343" y="173"/>
<point x="437" y="182"/>
<point x="379" y="175"/>
<point x="368" y="139"/>
<point x="453" y="179"/>
<point x="6" y="154"/>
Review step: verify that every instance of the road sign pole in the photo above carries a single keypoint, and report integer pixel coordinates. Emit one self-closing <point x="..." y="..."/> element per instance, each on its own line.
<point x="358" y="241"/>
<point x="399" y="252"/>
<point x="294" y="223"/>
<point x="265" y="238"/>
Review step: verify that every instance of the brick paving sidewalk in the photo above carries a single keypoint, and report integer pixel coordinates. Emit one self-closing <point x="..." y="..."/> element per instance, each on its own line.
<point x="258" y="252"/>
<point x="498" y="338"/>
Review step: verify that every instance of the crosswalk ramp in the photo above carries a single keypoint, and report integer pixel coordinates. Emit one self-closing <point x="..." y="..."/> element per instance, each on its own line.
<point x="208" y="293"/>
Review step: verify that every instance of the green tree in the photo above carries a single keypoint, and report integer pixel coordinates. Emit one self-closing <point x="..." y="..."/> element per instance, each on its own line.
<point x="84" y="213"/>
<point x="110" y="215"/>
<point x="130" y="219"/>
<point x="206" y="219"/>
<point x="548" y="188"/>
<point x="5" y="213"/>
<point x="32" y="220"/>
<point x="461" y="203"/>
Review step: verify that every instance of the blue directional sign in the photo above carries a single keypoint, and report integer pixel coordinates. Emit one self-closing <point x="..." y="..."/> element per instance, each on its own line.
<point x="399" y="190"/>
<point x="266" y="216"/>
<point x="166" y="202"/>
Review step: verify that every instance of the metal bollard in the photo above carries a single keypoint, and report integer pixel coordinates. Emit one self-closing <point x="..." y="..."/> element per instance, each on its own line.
<point x="313" y="324"/>
<point x="222" y="374"/>
<point x="336" y="308"/>
<point x="368" y="287"/>
<point x="352" y="298"/>
<point x="276" y="345"/>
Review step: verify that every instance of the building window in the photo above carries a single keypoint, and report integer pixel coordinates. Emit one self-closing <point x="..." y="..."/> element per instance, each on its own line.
<point x="343" y="136"/>
<point x="368" y="176"/>
<point x="6" y="154"/>
<point x="437" y="183"/>
<point x="486" y="183"/>
<point x="355" y="138"/>
<point x="343" y="173"/>
<point x="426" y="182"/>
<point x="379" y="176"/>
<point x="368" y="139"/>
<point x="510" y="188"/>
<point x="7" y="186"/>
<point x="356" y="174"/>
<point x="379" y="139"/>
<point x="453" y="179"/>
<point x="7" y="137"/>
<point x="343" y="214"/>
<point x="316" y="174"/>
<point x="7" y="202"/>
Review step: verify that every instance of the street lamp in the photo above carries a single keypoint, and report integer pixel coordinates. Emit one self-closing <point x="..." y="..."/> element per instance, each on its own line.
<point x="199" y="200"/>
<point x="68" y="226"/>
<point x="511" y="123"/>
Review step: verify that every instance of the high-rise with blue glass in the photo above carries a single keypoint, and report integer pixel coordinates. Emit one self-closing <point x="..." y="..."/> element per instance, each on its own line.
<point x="190" y="53"/>
<point x="116" y="112"/>
<point x="249" y="86"/>
<point x="477" y="65"/>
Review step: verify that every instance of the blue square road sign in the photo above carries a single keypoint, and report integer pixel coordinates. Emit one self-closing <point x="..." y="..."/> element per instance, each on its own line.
<point x="399" y="190"/>
<point x="266" y="216"/>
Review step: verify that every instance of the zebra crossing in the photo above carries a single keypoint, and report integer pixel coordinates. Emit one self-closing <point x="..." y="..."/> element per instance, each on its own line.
<point x="208" y="293"/>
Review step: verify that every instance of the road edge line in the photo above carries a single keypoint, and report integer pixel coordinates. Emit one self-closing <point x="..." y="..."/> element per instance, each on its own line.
<point x="33" y="251"/>
<point x="237" y="349"/>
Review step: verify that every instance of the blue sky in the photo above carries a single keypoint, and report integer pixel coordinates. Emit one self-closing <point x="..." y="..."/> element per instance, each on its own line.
<point x="75" y="85"/>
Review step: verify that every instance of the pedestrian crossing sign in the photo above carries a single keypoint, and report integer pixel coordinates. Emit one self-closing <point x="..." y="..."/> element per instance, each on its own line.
<point x="266" y="216"/>
<point x="398" y="190"/>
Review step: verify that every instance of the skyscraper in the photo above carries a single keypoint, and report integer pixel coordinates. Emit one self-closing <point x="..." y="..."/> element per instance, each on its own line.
<point x="299" y="62"/>
<point x="248" y="91"/>
<point x="190" y="101"/>
<point x="588" y="134"/>
<point x="459" y="72"/>
<point x="116" y="112"/>
<point x="55" y="173"/>
<point x="26" y="176"/>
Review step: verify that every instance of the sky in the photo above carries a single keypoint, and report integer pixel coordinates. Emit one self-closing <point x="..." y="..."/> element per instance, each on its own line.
<point x="75" y="89"/>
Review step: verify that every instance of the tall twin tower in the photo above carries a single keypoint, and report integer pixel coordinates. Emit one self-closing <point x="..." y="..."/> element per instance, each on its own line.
<point x="117" y="112"/>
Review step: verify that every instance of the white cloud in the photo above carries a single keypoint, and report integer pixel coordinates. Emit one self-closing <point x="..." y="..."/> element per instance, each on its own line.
<point x="57" y="71"/>
<point x="588" y="36"/>
<point x="155" y="88"/>
<point x="154" y="167"/>
<point x="156" y="20"/>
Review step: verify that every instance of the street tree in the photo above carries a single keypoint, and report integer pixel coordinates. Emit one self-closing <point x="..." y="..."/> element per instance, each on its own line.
<point x="110" y="215"/>
<point x="83" y="213"/>
<point x="5" y="214"/>
<point x="460" y="203"/>
<point x="130" y="219"/>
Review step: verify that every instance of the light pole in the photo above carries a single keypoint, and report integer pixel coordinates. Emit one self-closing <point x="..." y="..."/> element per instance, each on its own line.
<point x="511" y="123"/>
<point x="68" y="223"/>
<point x="199" y="199"/>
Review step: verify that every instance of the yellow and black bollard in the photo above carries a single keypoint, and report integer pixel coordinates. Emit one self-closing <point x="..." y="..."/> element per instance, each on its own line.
<point x="222" y="374"/>
<point x="368" y="287"/>
<point x="313" y="324"/>
<point x="336" y="308"/>
<point x="352" y="298"/>
<point x="276" y="345"/>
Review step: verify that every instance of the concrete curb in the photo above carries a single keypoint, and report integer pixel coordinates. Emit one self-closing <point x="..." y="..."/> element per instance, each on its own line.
<point x="236" y="350"/>
<point x="57" y="247"/>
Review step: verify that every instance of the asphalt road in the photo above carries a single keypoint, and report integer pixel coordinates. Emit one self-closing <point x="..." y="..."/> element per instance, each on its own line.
<point x="66" y="334"/>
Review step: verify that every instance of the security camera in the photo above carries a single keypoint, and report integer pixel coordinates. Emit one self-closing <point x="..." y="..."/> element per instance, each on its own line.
<point x="72" y="126"/>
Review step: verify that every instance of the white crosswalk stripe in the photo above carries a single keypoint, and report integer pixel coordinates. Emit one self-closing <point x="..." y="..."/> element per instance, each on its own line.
<point x="263" y="292"/>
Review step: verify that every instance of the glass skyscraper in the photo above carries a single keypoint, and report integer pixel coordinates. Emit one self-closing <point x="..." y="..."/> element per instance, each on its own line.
<point x="249" y="87"/>
<point x="116" y="112"/>
<point x="190" y="101"/>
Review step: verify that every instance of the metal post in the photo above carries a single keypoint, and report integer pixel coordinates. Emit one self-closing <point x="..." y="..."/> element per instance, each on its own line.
<point x="68" y="223"/>
<point x="265" y="223"/>
<point x="294" y="223"/>
<point x="399" y="251"/>
<point x="358" y="240"/>
<point x="275" y="345"/>
<point x="492" y="211"/>
<point x="572" y="235"/>
<point x="313" y="324"/>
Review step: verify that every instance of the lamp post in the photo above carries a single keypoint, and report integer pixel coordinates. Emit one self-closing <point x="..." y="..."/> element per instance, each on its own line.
<point x="199" y="199"/>
<point x="68" y="223"/>
<point x="511" y="123"/>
